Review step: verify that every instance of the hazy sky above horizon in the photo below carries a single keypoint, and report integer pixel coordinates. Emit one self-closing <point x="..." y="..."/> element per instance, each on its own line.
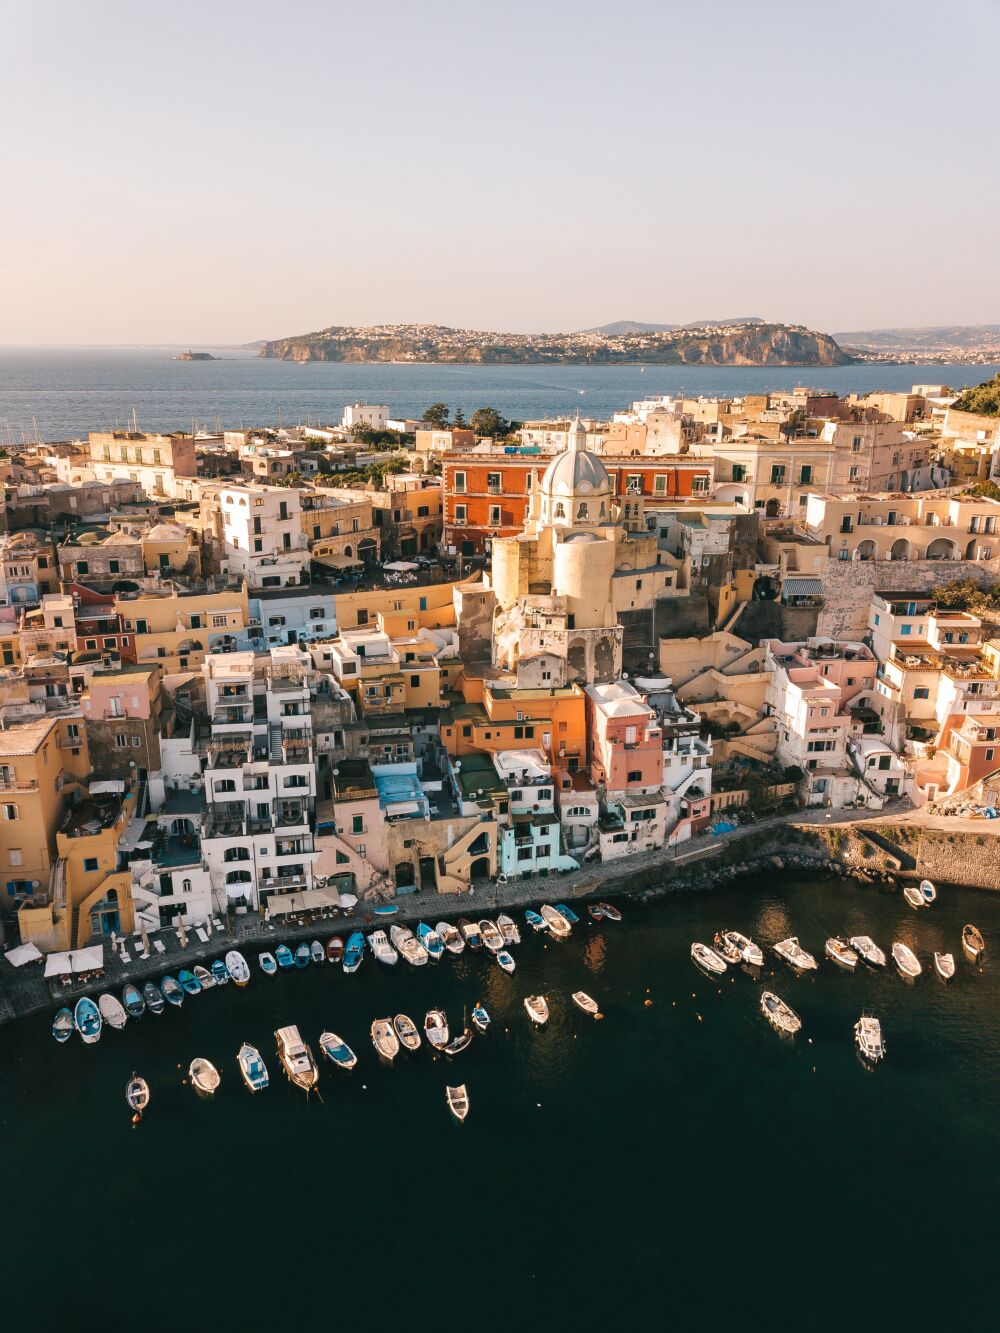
<point x="219" y="172"/>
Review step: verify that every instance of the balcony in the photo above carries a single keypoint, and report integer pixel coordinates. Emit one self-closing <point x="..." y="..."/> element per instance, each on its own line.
<point x="284" y="883"/>
<point x="19" y="784"/>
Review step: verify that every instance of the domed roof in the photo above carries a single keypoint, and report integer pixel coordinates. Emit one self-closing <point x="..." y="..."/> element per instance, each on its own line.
<point x="576" y="471"/>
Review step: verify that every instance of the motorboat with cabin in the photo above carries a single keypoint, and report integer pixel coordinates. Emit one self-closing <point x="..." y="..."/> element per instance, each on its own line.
<point x="751" y="954"/>
<point x="406" y="942"/>
<point x="793" y="954"/>
<point x="868" y="1037"/>
<point x="867" y="950"/>
<point x="379" y="944"/>
<point x="451" y="937"/>
<point x="537" y="1009"/>
<point x="296" y="1058"/>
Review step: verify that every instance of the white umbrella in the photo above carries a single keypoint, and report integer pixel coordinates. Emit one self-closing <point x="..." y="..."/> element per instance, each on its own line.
<point x="348" y="900"/>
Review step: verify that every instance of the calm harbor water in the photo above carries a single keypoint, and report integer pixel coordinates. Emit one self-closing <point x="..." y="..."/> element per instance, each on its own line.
<point x="675" y="1165"/>
<point x="64" y="392"/>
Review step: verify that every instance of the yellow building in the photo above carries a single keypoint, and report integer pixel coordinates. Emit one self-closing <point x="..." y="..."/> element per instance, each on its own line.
<point x="171" y="548"/>
<point x="175" y="629"/>
<point x="432" y="606"/>
<point x="96" y="894"/>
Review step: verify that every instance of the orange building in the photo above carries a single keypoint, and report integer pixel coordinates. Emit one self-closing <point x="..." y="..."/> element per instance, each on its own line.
<point x="486" y="494"/>
<point x="493" y="717"/>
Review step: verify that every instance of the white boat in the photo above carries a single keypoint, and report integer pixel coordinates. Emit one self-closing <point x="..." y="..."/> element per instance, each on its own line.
<point x="236" y="966"/>
<point x="252" y="1067"/>
<point x="492" y="937"/>
<point x="508" y="929"/>
<point x="384" y="1039"/>
<point x="944" y="965"/>
<point x="750" y="953"/>
<point x="451" y="936"/>
<point x="382" y="949"/>
<point x="203" y="977"/>
<point x="839" y="951"/>
<point x="793" y="953"/>
<point x="538" y="1009"/>
<point x="406" y="1030"/>
<point x="505" y="960"/>
<point x="868" y="1036"/>
<point x="297" y="1059"/>
<point x="867" y="950"/>
<point x="914" y="897"/>
<point x="583" y="1001"/>
<point x="906" y="960"/>
<point x="726" y="948"/>
<point x="928" y="891"/>
<point x="781" y="1016"/>
<point x="112" y="1012"/>
<point x="137" y="1094"/>
<point x="556" y="922"/>
<point x="470" y="933"/>
<point x="707" y="959"/>
<point x="204" y="1076"/>
<point x="436" y="1029"/>
<point x="408" y="945"/>
<point x="973" y="944"/>
<point x="458" y="1101"/>
<point x="337" y="1050"/>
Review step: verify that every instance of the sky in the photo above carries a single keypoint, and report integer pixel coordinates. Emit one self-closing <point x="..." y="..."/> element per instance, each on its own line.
<point x="211" y="173"/>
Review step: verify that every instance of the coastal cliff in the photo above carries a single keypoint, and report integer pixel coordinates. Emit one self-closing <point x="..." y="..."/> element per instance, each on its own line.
<point x="750" y="344"/>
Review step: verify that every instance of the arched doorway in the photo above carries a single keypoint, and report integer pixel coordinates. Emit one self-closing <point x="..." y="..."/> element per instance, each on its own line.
<point x="942" y="548"/>
<point x="865" y="550"/>
<point x="480" y="868"/>
<point x="405" y="882"/>
<point x="772" y="509"/>
<point x="900" y="549"/>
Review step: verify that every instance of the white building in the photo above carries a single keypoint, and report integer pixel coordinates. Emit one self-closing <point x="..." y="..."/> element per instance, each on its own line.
<point x="366" y="414"/>
<point x="261" y="535"/>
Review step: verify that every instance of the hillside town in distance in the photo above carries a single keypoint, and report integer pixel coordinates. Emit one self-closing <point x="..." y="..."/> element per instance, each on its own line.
<point x="273" y="671"/>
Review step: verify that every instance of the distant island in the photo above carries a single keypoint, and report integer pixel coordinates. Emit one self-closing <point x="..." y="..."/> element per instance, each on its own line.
<point x="750" y="343"/>
<point x="195" y="356"/>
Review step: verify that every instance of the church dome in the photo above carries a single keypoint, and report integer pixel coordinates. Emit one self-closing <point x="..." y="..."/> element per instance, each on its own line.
<point x="576" y="471"/>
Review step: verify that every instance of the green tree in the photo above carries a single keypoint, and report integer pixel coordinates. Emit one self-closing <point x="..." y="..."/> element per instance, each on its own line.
<point x="436" y="416"/>
<point x="459" y="422"/>
<point x="984" y="399"/>
<point x="488" y="421"/>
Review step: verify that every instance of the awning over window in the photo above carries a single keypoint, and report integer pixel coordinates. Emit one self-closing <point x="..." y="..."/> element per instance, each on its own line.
<point x="802" y="588"/>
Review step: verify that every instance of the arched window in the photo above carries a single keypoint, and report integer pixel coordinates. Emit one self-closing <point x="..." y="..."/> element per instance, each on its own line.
<point x="560" y="511"/>
<point x="185" y="886"/>
<point x="237" y="854"/>
<point x="239" y="877"/>
<point x="225" y="785"/>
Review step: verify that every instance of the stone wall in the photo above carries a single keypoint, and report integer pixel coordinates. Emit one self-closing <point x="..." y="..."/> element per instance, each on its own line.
<point x="848" y="586"/>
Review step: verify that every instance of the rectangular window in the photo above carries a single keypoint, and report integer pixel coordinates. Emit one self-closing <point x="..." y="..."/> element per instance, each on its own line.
<point x="635" y="775"/>
<point x="10" y="812"/>
<point x="358" y="824"/>
<point x="988" y="756"/>
<point x="496" y="516"/>
<point x="459" y="483"/>
<point x="461" y="514"/>
<point x="777" y="474"/>
<point x="16" y="859"/>
<point x="921" y="692"/>
<point x="806" y="475"/>
<point x="739" y="472"/>
<point x="90" y="864"/>
<point x="905" y="629"/>
<point x="659" y="485"/>
<point x="494" y="482"/>
<point x="414" y="682"/>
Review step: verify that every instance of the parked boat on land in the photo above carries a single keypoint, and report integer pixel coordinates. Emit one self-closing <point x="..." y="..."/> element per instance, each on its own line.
<point x="173" y="992"/>
<point x="506" y="960"/>
<point x="284" y="956"/>
<point x="135" y="1005"/>
<point x="337" y="1050"/>
<point x="781" y="1016"/>
<point x="537" y="1008"/>
<point x="436" y="1028"/>
<point x="268" y="965"/>
<point x="203" y="977"/>
<point x="204" y="1076"/>
<point x="354" y="951"/>
<point x="707" y="959"/>
<point x="430" y="940"/>
<point x="384" y="1039"/>
<point x="137" y="1094"/>
<point x="611" y="913"/>
<point x="556" y="922"/>
<point x="378" y="942"/>
<point x="87" y="1020"/>
<point x="458" y="1101"/>
<point x="492" y="937"/>
<point x="302" y="956"/>
<point x="335" y="949"/>
<point x="451" y="937"/>
<point x="221" y="973"/>
<point x="793" y="954"/>
<point x="751" y="954"/>
<point x="153" y="998"/>
<point x="839" y="951"/>
<point x="914" y="897"/>
<point x="973" y="944"/>
<point x="236" y="966"/>
<point x="460" y="1043"/>
<point x="586" y="1002"/>
<point x="868" y="1036"/>
<point x="470" y="933"/>
<point x="906" y="960"/>
<point x="928" y="891"/>
<point x="568" y="914"/>
<point x="406" y="1030"/>
<point x="296" y="1058"/>
<point x="386" y="909"/>
<point x="112" y="1012"/>
<point x="406" y="942"/>
<point x="316" y="952"/>
<point x="867" y="950"/>
<point x="480" y="1017"/>
<point x="944" y="965"/>
<point x="508" y="929"/>
<point x="252" y="1068"/>
<point x="536" y="922"/>
<point x="726" y="949"/>
<point x="62" y="1025"/>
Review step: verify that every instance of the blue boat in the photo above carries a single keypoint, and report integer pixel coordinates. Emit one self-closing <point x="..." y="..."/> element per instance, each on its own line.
<point x="62" y="1025"/>
<point x="387" y="910"/>
<point x="252" y="1067"/>
<point x="87" y="1020"/>
<point x="220" y="972"/>
<point x="172" y="992"/>
<point x="284" y="956"/>
<point x="153" y="998"/>
<point x="189" y="981"/>
<point x="564" y="911"/>
<point x="302" y="956"/>
<point x="354" y="952"/>
<point x="430" y="939"/>
<point x="535" y="921"/>
<point x="267" y="964"/>
<point x="337" y="1050"/>
<point x="135" y="1005"/>
<point x="480" y="1017"/>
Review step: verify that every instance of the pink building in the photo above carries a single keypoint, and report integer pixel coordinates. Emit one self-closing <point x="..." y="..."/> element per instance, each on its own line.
<point x="624" y="739"/>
